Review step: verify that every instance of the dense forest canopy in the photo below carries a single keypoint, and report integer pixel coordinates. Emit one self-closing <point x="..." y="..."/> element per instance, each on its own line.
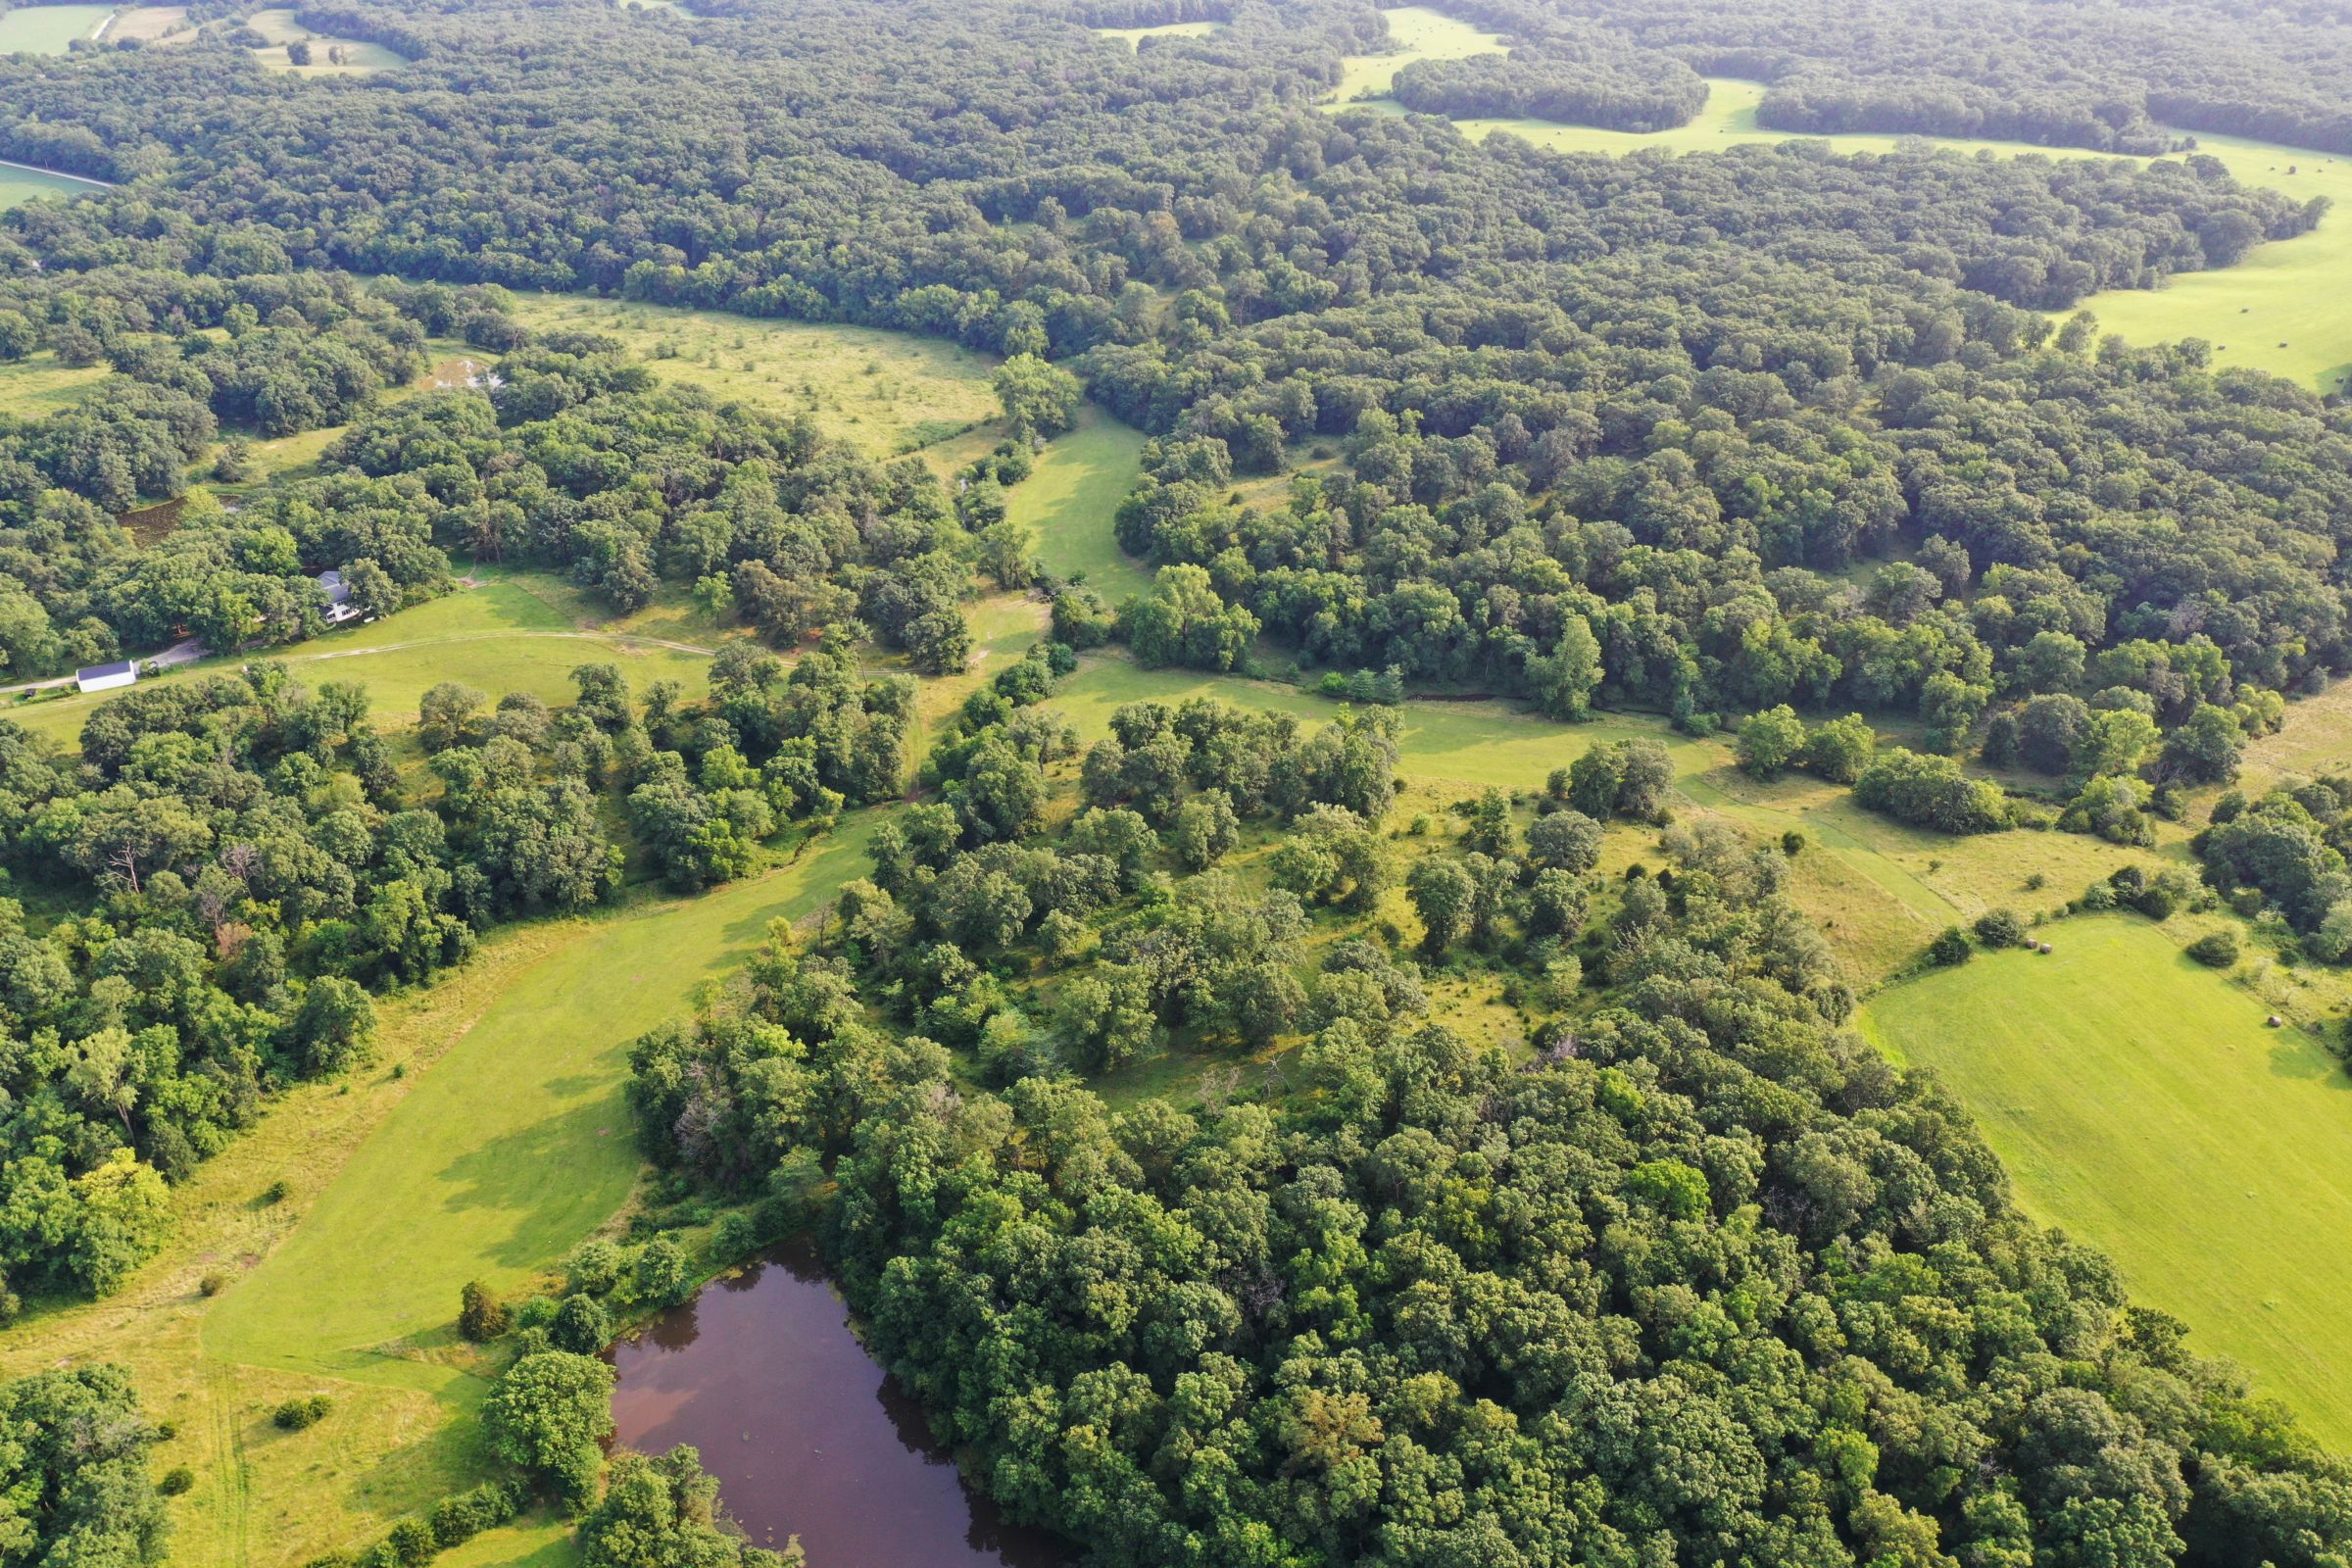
<point x="1800" y="443"/>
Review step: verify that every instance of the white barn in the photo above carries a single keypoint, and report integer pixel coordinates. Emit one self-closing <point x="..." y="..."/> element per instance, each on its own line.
<point x="106" y="677"/>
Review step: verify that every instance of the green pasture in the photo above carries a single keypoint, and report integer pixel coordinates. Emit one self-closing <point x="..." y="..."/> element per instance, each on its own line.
<point x="1132" y="37"/>
<point x="886" y="393"/>
<point x="505" y="634"/>
<point x="2138" y="1102"/>
<point x="515" y="1145"/>
<point x="48" y="29"/>
<point x="2286" y="308"/>
<point x="19" y="184"/>
<point x="1067" y="505"/>
<point x="1419" y="34"/>
<point x="282" y="25"/>
<point x="36" y="384"/>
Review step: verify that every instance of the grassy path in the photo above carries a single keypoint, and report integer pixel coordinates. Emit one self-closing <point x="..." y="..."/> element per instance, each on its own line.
<point x="2138" y="1100"/>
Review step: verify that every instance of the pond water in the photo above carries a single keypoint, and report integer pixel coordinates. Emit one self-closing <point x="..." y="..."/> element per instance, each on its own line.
<point x="806" y="1436"/>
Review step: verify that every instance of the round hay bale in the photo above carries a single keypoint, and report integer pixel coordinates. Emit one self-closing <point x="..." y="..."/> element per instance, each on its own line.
<point x="2273" y="1021"/>
<point x="2044" y="946"/>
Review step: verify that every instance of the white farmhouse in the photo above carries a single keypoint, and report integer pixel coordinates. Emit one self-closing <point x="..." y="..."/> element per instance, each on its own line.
<point x="106" y="677"/>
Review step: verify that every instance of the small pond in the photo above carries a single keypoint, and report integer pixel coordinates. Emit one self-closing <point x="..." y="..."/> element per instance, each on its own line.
<point x="806" y="1436"/>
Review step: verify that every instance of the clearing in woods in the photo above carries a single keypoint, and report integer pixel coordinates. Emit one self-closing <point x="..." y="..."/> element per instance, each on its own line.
<point x="282" y="27"/>
<point x="1065" y="507"/>
<point x="885" y="393"/>
<point x="513" y="632"/>
<point x="2138" y="1102"/>
<point x="21" y="182"/>
<point x="48" y="29"/>
<point x="38" y="384"/>
<point x="1419" y="34"/>
<point x="1134" y="37"/>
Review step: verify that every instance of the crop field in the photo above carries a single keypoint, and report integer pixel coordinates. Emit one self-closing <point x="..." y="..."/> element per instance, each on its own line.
<point x="1066" y="504"/>
<point x="48" y="29"/>
<point x="1419" y="34"/>
<point x="2139" y="1103"/>
<point x="1134" y="37"/>
<point x="886" y="393"/>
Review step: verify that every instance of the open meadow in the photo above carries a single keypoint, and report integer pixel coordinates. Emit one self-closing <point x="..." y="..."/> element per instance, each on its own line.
<point x="48" y="29"/>
<point x="1065" y="507"/>
<point x="19" y="183"/>
<point x="2139" y="1103"/>
<point x="329" y="56"/>
<point x="1132" y="37"/>
<point x="1419" y="34"/>
<point x="886" y="393"/>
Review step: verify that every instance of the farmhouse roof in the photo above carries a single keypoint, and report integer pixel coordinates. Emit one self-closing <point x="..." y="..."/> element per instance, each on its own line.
<point x="101" y="671"/>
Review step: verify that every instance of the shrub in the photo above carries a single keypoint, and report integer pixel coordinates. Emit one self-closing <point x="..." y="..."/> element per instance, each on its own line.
<point x="482" y="1315"/>
<point x="1951" y="947"/>
<point x="412" y="1544"/>
<point x="176" y="1480"/>
<point x="212" y="1285"/>
<point x="295" y="1415"/>
<point x="2000" y="928"/>
<point x="2216" y="950"/>
<point x="275" y="1193"/>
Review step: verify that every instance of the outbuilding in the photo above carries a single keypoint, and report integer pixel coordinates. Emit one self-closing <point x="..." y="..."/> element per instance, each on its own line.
<point x="106" y="677"/>
<point x="339" y="605"/>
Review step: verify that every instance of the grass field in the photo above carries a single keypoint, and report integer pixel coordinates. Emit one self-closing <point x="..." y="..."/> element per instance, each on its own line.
<point x="151" y="24"/>
<point x="281" y="28"/>
<point x="1067" y="505"/>
<point x="19" y="184"/>
<point x="1132" y="37"/>
<point x="500" y="1144"/>
<point x="1419" y="34"/>
<point x="506" y="635"/>
<point x="38" y="384"/>
<point x="48" y="29"/>
<point x="886" y="393"/>
<point x="2138" y="1102"/>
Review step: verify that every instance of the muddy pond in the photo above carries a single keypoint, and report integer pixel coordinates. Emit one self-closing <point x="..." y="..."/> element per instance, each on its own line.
<point x="806" y="1436"/>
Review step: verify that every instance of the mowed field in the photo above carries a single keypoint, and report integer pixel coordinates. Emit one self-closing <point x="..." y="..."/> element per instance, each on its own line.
<point x="1419" y="34"/>
<point x="48" y="29"/>
<point x="2140" y="1103"/>
<point x="886" y="393"/>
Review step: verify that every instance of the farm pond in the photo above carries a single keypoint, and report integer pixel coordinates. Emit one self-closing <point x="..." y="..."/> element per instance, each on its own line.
<point x="806" y="1435"/>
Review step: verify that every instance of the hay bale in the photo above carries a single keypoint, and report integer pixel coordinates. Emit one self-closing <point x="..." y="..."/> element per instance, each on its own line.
<point x="2044" y="948"/>
<point x="2273" y="1021"/>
